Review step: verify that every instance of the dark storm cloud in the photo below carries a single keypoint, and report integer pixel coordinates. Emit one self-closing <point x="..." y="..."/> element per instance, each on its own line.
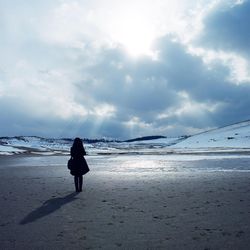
<point x="134" y="85"/>
<point x="209" y="85"/>
<point x="154" y="87"/>
<point x="228" y="29"/>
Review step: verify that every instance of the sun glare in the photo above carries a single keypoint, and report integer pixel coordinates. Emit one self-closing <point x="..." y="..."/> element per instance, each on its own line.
<point x="130" y="27"/>
<point x="134" y="25"/>
<point x="134" y="34"/>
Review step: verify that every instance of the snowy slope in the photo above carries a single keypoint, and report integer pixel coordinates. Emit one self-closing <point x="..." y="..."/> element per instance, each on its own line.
<point x="232" y="136"/>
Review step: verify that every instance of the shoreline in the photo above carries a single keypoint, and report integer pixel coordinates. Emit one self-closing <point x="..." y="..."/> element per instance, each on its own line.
<point x="133" y="152"/>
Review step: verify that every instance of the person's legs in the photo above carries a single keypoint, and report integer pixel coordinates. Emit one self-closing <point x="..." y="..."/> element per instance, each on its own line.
<point x="80" y="183"/>
<point x="76" y="183"/>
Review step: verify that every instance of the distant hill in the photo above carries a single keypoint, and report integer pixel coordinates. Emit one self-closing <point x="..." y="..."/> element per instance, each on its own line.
<point x="146" y="138"/>
<point x="235" y="136"/>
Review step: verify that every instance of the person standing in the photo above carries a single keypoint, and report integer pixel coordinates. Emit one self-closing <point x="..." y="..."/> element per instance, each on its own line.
<point x="79" y="166"/>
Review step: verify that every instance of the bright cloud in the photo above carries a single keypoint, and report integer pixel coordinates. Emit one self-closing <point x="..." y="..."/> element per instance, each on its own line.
<point x="188" y="107"/>
<point x="104" y="111"/>
<point x="239" y="66"/>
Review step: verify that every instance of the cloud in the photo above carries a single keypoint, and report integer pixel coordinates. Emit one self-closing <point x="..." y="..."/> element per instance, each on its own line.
<point x="64" y="70"/>
<point x="186" y="92"/>
<point x="227" y="28"/>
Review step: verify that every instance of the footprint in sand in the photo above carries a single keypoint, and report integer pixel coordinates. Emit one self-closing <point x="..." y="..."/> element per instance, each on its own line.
<point x="83" y="238"/>
<point x="239" y="234"/>
<point x="226" y="234"/>
<point x="4" y="224"/>
<point x="60" y="234"/>
<point x="195" y="238"/>
<point x="170" y="217"/>
<point x="157" y="217"/>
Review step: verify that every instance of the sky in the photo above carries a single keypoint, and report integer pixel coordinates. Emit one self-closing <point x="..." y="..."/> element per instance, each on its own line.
<point x="123" y="69"/>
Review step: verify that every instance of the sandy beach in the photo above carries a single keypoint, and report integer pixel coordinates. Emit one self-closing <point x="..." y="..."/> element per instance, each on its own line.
<point x="128" y="202"/>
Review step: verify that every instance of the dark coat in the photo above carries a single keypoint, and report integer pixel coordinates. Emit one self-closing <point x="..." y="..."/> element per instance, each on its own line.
<point x="79" y="164"/>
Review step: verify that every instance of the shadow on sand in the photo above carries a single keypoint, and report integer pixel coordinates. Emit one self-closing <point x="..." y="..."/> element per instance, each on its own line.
<point x="47" y="208"/>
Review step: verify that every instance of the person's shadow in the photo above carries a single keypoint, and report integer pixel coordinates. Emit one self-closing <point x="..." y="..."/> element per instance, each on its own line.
<point x="47" y="208"/>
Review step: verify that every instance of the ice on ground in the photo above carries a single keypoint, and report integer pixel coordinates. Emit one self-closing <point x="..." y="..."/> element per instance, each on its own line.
<point x="9" y="150"/>
<point x="153" y="164"/>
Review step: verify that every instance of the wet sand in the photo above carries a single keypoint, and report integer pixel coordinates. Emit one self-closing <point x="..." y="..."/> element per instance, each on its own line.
<point x="122" y="209"/>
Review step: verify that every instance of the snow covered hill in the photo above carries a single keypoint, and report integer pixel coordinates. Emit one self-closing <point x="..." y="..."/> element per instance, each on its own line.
<point x="234" y="137"/>
<point x="21" y="144"/>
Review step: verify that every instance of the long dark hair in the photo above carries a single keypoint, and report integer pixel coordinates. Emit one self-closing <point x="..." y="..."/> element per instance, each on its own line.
<point x="77" y="144"/>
